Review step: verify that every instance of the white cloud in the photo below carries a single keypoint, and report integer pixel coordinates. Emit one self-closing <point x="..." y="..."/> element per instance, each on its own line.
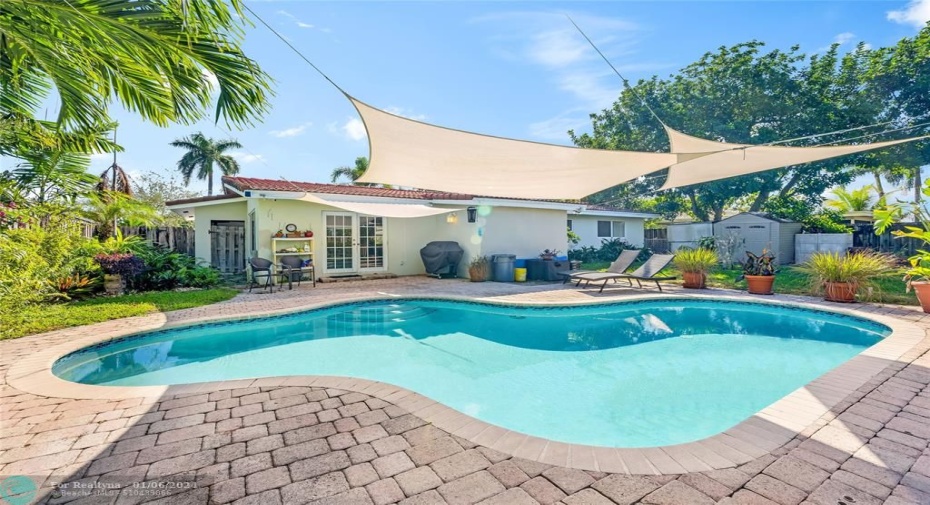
<point x="916" y="13"/>
<point x="294" y="18"/>
<point x="844" y="38"/>
<point x="558" y="48"/>
<point x="354" y="129"/>
<point x="290" y="132"/>
<point x="246" y="158"/>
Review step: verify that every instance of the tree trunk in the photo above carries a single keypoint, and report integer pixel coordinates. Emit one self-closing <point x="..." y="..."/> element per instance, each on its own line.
<point x="210" y="184"/>
<point x="718" y="213"/>
<point x="879" y="188"/>
<point x="760" y="200"/>
<point x="917" y="185"/>
<point x="695" y="208"/>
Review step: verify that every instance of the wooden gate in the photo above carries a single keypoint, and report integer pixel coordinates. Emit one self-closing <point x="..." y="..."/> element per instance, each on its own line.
<point x="227" y="247"/>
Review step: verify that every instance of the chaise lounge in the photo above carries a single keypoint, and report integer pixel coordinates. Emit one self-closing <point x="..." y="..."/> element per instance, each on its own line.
<point x="646" y="272"/>
<point x="618" y="266"/>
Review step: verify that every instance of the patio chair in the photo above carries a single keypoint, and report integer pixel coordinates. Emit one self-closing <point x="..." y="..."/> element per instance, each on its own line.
<point x="618" y="266"/>
<point x="261" y="268"/>
<point x="293" y="266"/>
<point x="648" y="271"/>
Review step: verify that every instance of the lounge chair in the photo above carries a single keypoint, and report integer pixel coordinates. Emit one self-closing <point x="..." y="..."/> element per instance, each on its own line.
<point x="646" y="272"/>
<point x="618" y="266"/>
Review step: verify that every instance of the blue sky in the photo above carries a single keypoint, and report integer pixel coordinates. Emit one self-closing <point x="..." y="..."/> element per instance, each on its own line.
<point x="513" y="69"/>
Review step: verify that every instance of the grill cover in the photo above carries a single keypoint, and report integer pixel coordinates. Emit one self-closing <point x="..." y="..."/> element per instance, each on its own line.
<point x="441" y="257"/>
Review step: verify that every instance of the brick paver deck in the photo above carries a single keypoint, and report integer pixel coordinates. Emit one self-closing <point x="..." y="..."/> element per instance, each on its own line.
<point x="269" y="442"/>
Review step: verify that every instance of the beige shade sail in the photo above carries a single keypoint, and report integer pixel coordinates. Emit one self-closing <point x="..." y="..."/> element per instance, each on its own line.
<point x="405" y="152"/>
<point x="720" y="160"/>
<point x="401" y="210"/>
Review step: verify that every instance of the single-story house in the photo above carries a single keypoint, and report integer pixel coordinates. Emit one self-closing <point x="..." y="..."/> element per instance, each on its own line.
<point x="594" y="223"/>
<point x="354" y="233"/>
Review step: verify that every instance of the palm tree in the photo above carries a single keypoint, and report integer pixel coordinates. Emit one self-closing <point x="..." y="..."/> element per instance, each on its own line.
<point x="851" y="201"/>
<point x="202" y="155"/>
<point x="167" y="50"/>
<point x="351" y="173"/>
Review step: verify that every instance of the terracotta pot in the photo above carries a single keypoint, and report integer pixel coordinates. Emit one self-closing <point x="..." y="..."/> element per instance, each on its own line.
<point x="308" y="233"/>
<point x="760" y="284"/>
<point x="922" y="288"/>
<point x="114" y="284"/>
<point x="842" y="292"/>
<point x="477" y="274"/>
<point x="694" y="280"/>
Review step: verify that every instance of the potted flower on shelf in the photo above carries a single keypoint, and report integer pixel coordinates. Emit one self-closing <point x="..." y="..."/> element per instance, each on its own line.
<point x="479" y="269"/>
<point x="549" y="254"/>
<point x="759" y="272"/>
<point x="841" y="275"/>
<point x="694" y="265"/>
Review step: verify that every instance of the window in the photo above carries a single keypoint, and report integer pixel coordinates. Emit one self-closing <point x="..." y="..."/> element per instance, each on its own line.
<point x="569" y="224"/>
<point x="611" y="229"/>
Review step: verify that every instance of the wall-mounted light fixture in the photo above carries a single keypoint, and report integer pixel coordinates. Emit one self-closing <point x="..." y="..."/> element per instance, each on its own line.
<point x="472" y="214"/>
<point x="452" y="218"/>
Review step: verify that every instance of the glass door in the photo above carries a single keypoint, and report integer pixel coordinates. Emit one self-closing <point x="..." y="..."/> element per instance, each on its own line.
<point x="340" y="242"/>
<point x="371" y="252"/>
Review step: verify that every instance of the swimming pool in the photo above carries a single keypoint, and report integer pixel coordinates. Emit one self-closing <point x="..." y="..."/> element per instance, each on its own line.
<point x="631" y="374"/>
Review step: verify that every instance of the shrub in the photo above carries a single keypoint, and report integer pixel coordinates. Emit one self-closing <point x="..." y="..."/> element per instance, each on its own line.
<point x="124" y="264"/>
<point x="698" y="260"/>
<point x="167" y="269"/>
<point x="859" y="268"/>
<point x="584" y="254"/>
<point x="759" y="264"/>
<point x="611" y="249"/>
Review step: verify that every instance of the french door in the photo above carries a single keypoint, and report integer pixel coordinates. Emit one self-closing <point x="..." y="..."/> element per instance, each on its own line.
<point x="355" y="243"/>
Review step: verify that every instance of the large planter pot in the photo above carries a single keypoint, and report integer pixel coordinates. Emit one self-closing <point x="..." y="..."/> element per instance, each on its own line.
<point x="694" y="280"/>
<point x="842" y="292"/>
<point x="760" y="284"/>
<point x="114" y="284"/>
<point x="477" y="274"/>
<point x="922" y="288"/>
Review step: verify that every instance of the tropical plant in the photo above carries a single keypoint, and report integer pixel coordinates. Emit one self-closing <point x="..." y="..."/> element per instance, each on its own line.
<point x="167" y="269"/>
<point x="158" y="58"/>
<point x="109" y="209"/>
<point x="759" y="264"/>
<point x="584" y="254"/>
<point x="920" y="262"/>
<point x="50" y="175"/>
<point x="352" y="173"/>
<point x="858" y="269"/>
<point x="697" y="261"/>
<point x="549" y="253"/>
<point x="203" y="155"/>
<point x="851" y="200"/>
<point x="573" y="238"/>
<point x="114" y="178"/>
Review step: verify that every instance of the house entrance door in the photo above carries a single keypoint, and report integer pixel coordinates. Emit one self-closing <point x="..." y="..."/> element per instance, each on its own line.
<point x="355" y="243"/>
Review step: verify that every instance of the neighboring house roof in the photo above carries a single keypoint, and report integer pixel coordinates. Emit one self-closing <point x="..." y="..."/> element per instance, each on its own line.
<point x="592" y="209"/>
<point x="761" y="215"/>
<point x="250" y="183"/>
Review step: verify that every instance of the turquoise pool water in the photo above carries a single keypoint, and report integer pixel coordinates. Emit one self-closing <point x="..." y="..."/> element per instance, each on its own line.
<point x="631" y="374"/>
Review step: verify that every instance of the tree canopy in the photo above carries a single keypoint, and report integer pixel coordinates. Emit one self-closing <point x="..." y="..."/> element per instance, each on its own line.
<point x="203" y="156"/>
<point x="743" y="94"/>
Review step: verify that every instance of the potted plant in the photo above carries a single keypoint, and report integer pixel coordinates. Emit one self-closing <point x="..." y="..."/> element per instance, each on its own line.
<point x="759" y="272"/>
<point x="549" y="254"/>
<point x="694" y="265"/>
<point x="917" y="277"/>
<point x="479" y="269"/>
<point x="841" y="275"/>
<point x="117" y="269"/>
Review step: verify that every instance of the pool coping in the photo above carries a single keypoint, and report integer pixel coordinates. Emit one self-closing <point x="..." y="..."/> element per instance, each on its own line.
<point x="756" y="436"/>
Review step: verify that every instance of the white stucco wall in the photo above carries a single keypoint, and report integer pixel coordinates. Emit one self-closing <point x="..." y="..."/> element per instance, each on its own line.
<point x="586" y="228"/>
<point x="233" y="211"/>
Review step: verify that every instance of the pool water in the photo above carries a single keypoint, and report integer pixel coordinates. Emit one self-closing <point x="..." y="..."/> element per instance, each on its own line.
<point x="631" y="374"/>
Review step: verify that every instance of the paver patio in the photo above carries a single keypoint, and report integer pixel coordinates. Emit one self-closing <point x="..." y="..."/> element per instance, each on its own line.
<point x="269" y="441"/>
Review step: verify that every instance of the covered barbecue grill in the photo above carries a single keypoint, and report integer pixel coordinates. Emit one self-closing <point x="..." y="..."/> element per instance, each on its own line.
<point x="441" y="258"/>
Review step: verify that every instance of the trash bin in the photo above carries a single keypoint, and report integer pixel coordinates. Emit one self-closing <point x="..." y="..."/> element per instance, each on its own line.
<point x="519" y="274"/>
<point x="502" y="267"/>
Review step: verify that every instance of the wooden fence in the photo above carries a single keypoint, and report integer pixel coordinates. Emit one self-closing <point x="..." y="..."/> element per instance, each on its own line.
<point x="175" y="238"/>
<point x="864" y="236"/>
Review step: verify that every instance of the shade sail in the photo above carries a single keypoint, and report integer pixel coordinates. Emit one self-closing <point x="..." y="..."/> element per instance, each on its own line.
<point x="720" y="160"/>
<point x="405" y="152"/>
<point x="401" y="210"/>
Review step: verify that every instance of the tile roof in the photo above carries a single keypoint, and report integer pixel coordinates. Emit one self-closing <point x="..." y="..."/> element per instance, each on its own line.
<point x="251" y="183"/>
<point x="198" y="199"/>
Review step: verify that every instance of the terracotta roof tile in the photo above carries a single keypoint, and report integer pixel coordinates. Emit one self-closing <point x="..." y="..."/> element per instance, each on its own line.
<point x="250" y="183"/>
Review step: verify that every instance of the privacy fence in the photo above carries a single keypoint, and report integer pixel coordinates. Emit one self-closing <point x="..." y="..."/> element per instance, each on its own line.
<point x="864" y="236"/>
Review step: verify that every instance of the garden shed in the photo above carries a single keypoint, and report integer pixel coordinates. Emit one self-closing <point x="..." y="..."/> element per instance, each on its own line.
<point x="761" y="231"/>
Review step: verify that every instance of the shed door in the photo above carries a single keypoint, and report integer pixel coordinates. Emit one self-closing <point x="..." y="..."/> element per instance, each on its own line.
<point x="758" y="237"/>
<point x="227" y="246"/>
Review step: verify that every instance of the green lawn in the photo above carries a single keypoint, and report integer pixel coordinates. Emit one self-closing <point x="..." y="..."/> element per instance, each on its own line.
<point x="48" y="317"/>
<point x="790" y="280"/>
